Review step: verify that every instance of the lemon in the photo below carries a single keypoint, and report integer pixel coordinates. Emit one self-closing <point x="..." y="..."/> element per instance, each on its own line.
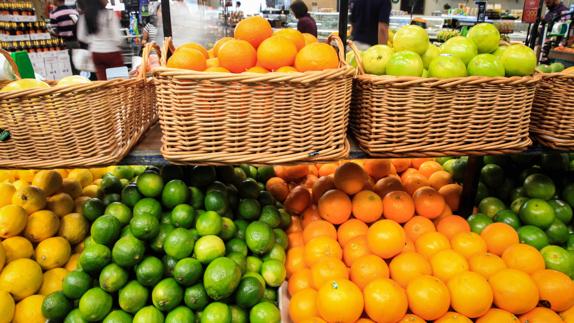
<point x="97" y="173"/>
<point x="29" y="310"/>
<point x="90" y="190"/>
<point x="48" y="180"/>
<point x="79" y="203"/>
<point x="20" y="184"/>
<point x="80" y="246"/>
<point x="52" y="281"/>
<point x="72" y="264"/>
<point x="12" y="220"/>
<point x="71" y="187"/>
<point x="97" y="182"/>
<point x="7" y="175"/>
<point x="84" y="176"/>
<point x="31" y="198"/>
<point x="6" y="192"/>
<point x="21" y="278"/>
<point x="17" y="248"/>
<point x="26" y="175"/>
<point x="74" y="227"/>
<point x="61" y="204"/>
<point x="41" y="225"/>
<point x="63" y="172"/>
<point x="7" y="306"/>
<point x="2" y="257"/>
<point x="53" y="252"/>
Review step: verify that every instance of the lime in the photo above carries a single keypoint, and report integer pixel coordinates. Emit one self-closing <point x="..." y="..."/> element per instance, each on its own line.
<point x="266" y="198"/>
<point x="241" y="227"/>
<point x="74" y="317"/>
<point x="165" y="218"/>
<point x="187" y="271"/>
<point x="144" y="226"/>
<point x="164" y="230"/>
<point x="169" y="263"/>
<point x="148" y="314"/>
<point x="490" y="205"/>
<point x="562" y="210"/>
<point x="558" y="258"/>
<point x="112" y="278"/>
<point x="95" y="257"/>
<point x="259" y="237"/>
<point x="248" y="188"/>
<point x="270" y="295"/>
<point x="232" y="197"/>
<point x="174" y="192"/>
<point x="194" y="234"/>
<point x="209" y="223"/>
<point x="216" y="201"/>
<point x="568" y="194"/>
<point x="150" y="271"/>
<point x="216" y="186"/>
<point x="249" y="209"/>
<point x="508" y="217"/>
<point x="119" y="211"/>
<point x="265" y="312"/>
<point x="124" y="172"/>
<point x="458" y="169"/>
<point x="221" y="277"/>
<point x="147" y="206"/>
<point x="238" y="315"/>
<point x="442" y="160"/>
<point x="95" y="304"/>
<point x="238" y="246"/>
<point x="180" y="314"/>
<point x="501" y="160"/>
<point x="118" y="316"/>
<point x="225" y="173"/>
<point x="478" y="222"/>
<point x="482" y="192"/>
<point x="557" y="232"/>
<point x="273" y="271"/>
<point x="285" y="219"/>
<point x="533" y="236"/>
<point x="249" y="292"/>
<point x="167" y="294"/>
<point x="517" y="192"/>
<point x="539" y="186"/>
<point x="537" y="212"/>
<point x="517" y="204"/>
<point x="202" y="175"/>
<point x="555" y="162"/>
<point x="239" y="259"/>
<point x="110" y="184"/>
<point x="216" y="312"/>
<point x="88" y="241"/>
<point x="128" y="251"/>
<point x="277" y="253"/>
<point x="208" y="248"/>
<point x="75" y="284"/>
<point x="132" y="297"/>
<point x="228" y="229"/>
<point x="56" y="306"/>
<point x="492" y="175"/>
<point x="238" y="175"/>
<point x="179" y="243"/>
<point x="124" y="182"/>
<point x="195" y="297"/>
<point x="111" y="198"/>
<point x="197" y="197"/>
<point x="281" y="238"/>
<point x="253" y="264"/>
<point x="264" y="173"/>
<point x="93" y="208"/>
<point x="529" y="171"/>
<point x="257" y="276"/>
<point x="182" y="216"/>
<point x="149" y="184"/>
<point x="270" y="215"/>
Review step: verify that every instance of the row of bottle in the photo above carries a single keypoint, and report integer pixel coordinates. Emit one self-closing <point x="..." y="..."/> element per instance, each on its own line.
<point x="17" y="8"/>
<point x="34" y="46"/>
<point x="22" y="28"/>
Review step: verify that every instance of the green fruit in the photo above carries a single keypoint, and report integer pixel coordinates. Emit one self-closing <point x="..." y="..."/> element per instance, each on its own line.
<point x="167" y="294"/>
<point x="132" y="297"/>
<point x="112" y="278"/>
<point x="216" y="201"/>
<point x="128" y="251"/>
<point x="93" y="208"/>
<point x="264" y="173"/>
<point x="270" y="215"/>
<point x="537" y="212"/>
<point x="539" y="186"/>
<point x="164" y="231"/>
<point x="533" y="236"/>
<point x="228" y="229"/>
<point x="505" y="190"/>
<point x="208" y="248"/>
<point x="492" y="175"/>
<point x="195" y="297"/>
<point x="144" y="226"/>
<point x="241" y="227"/>
<point x="556" y="67"/>
<point x="130" y="195"/>
<point x="148" y="314"/>
<point x="570" y="243"/>
<point x="174" y="192"/>
<point x="266" y="198"/>
<point x="249" y="292"/>
<point x="557" y="232"/>
<point x="259" y="237"/>
<point x="119" y="211"/>
<point x="238" y="246"/>
<point x="182" y="216"/>
<point x="281" y="238"/>
<point x="482" y="192"/>
<point x="95" y="257"/>
<point x="221" y="277"/>
<point x="253" y="264"/>
<point x="56" y="306"/>
<point x="118" y="316"/>
<point x="490" y="205"/>
<point x="187" y="271"/>
<point x="270" y="295"/>
<point x="75" y="317"/>
<point x="202" y="175"/>
<point x="209" y="223"/>
<point x="216" y="312"/>
<point x="110" y="184"/>
<point x="249" y="209"/>
<point x="150" y="271"/>
<point x="517" y="204"/>
<point x="248" y="188"/>
<point x="197" y="198"/>
<point x="180" y="314"/>
<point x="508" y="217"/>
<point x="179" y="243"/>
<point x="273" y="271"/>
<point x="150" y="184"/>
<point x="147" y="206"/>
<point x="517" y="192"/>
<point x="562" y="210"/>
<point x="478" y="222"/>
<point x="111" y="198"/>
<point x="169" y="264"/>
<point x="285" y="219"/>
<point x="276" y="253"/>
<point x="239" y="259"/>
<point x="75" y="284"/>
<point x="238" y="175"/>
<point x="568" y="194"/>
<point x="106" y="230"/>
<point x="558" y="258"/>
<point x="95" y="304"/>
<point x="238" y="315"/>
<point x="265" y="312"/>
<point x="165" y="218"/>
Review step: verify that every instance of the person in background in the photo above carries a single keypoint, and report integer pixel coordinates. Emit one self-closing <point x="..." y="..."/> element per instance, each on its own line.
<point x="153" y="30"/>
<point x="370" y="22"/>
<point x="64" y="19"/>
<point x="100" y="29"/>
<point x="555" y="9"/>
<point x="305" y="23"/>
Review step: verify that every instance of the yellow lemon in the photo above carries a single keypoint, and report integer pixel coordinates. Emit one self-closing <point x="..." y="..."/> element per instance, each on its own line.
<point x="72" y="264"/>
<point x="63" y="172"/>
<point x="90" y="190"/>
<point x="29" y="310"/>
<point x="17" y="248"/>
<point x="79" y="247"/>
<point x="79" y="202"/>
<point x="84" y="176"/>
<point x="26" y="175"/>
<point x="98" y="182"/>
<point x="3" y="258"/>
<point x="71" y="187"/>
<point x="61" y="204"/>
<point x="31" y="198"/>
<point x="7" y="306"/>
<point x="7" y="175"/>
<point x="53" y="252"/>
<point x="21" y="278"/>
<point x="6" y="192"/>
<point x="97" y="173"/>
<point x="48" y="180"/>
<point x="20" y="184"/>
<point x="52" y="281"/>
<point x="12" y="220"/>
<point x="74" y="227"/>
<point x="41" y="225"/>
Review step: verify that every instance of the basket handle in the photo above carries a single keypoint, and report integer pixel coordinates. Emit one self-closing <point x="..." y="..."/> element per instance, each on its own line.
<point x="11" y="62"/>
<point x="341" y="48"/>
<point x="166" y="48"/>
<point x="148" y="49"/>
<point x="358" y="58"/>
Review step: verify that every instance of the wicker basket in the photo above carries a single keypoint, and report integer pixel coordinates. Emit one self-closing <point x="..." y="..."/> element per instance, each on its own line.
<point x="552" y="120"/>
<point x="222" y="118"/>
<point x="12" y="65"/>
<point x="75" y="126"/>
<point x="395" y="116"/>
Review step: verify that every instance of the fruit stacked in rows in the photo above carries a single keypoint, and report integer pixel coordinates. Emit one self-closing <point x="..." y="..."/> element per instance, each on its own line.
<point x="256" y="48"/>
<point x="205" y="245"/>
<point x="41" y="233"/>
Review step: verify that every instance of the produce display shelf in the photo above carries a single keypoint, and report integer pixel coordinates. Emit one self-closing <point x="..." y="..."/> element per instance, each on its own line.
<point x="565" y="56"/>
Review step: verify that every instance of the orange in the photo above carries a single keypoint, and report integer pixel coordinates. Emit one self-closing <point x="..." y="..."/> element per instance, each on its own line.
<point x="446" y="212"/>
<point x="470" y="294"/>
<point x="377" y="168"/>
<point x="387" y="185"/>
<point x="568" y="315"/>
<point x="316" y="57"/>
<point x="368" y="268"/>
<point x="451" y="225"/>
<point x="556" y="288"/>
<point x="401" y="164"/>
<point x="354" y="249"/>
<point x="413" y="182"/>
<point x="411" y="318"/>
<point x="298" y="200"/>
<point x="350" y="178"/>
<point x="295" y="260"/>
<point x="430" y="243"/>
<point x="328" y="169"/>
<point x="319" y="228"/>
<point x="398" y="206"/>
<point x="217" y="69"/>
<point x="295" y="239"/>
<point x="351" y="229"/>
<point x="303" y="305"/>
<point x="278" y="188"/>
<point x="196" y="46"/>
<point x="340" y="301"/>
<point x="335" y="206"/>
<point x="496" y="315"/>
<point x="410" y="171"/>
<point x="237" y="56"/>
<point x="540" y="315"/>
<point x="429" y="167"/>
<point x="417" y="162"/>
<point x="385" y="301"/>
<point x="386" y="238"/>
<point x="486" y="264"/>
<point x="407" y="266"/>
<point x="286" y="69"/>
<point x="367" y="206"/>
<point x="212" y="62"/>
<point x="409" y="246"/>
<point x="417" y="226"/>
<point x="321" y="247"/>
<point x="428" y="297"/>
<point x="453" y="317"/>
<point x="187" y="58"/>
<point x="439" y="179"/>
<point x="364" y="320"/>
<point x="447" y="263"/>
<point x="468" y="244"/>
<point x="299" y="280"/>
<point x="219" y="43"/>
<point x="257" y="69"/>
<point x="499" y="236"/>
<point x="254" y="30"/>
<point x="315" y="319"/>
<point x="428" y="202"/>
<point x="322" y="185"/>
<point x="309" y="38"/>
<point x="311" y="214"/>
<point x="294" y="173"/>
<point x="292" y="35"/>
<point x="523" y="257"/>
<point x="327" y="269"/>
<point x="514" y="291"/>
<point x="451" y="194"/>
<point x="275" y="52"/>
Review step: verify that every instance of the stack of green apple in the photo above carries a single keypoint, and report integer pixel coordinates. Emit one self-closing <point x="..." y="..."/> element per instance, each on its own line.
<point x="201" y="244"/>
<point x="477" y="54"/>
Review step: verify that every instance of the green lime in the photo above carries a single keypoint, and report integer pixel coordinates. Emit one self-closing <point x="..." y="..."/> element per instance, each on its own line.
<point x="88" y="242"/>
<point x="216" y="312"/>
<point x="249" y="292"/>
<point x="119" y="211"/>
<point x="95" y="304"/>
<point x="259" y="237"/>
<point x="238" y="175"/>
<point x="478" y="222"/>
<point x="118" y="316"/>
<point x="285" y="219"/>
<point x="216" y="201"/>
<point x="124" y="172"/>
<point x="225" y="173"/>
<point x="75" y="284"/>
<point x="517" y="192"/>
<point x="265" y="312"/>
<point x="568" y="194"/>
<point x="239" y="259"/>
<point x="144" y="226"/>
<point x="253" y="264"/>
<point x="537" y="212"/>
<point x="490" y="205"/>
<point x="167" y="294"/>
<point x="442" y="160"/>
<point x="182" y="216"/>
<point x="164" y="230"/>
<point x="150" y="271"/>
<point x="197" y="198"/>
<point x="562" y="210"/>
<point x="533" y="236"/>
<point x="228" y="229"/>
<point x="504" y="191"/>
<point x="179" y="243"/>
<point x="281" y="238"/>
<point x="106" y="230"/>
<point x="501" y="160"/>
<point x="558" y="258"/>
<point x="482" y="192"/>
<point x="195" y="297"/>
<point x="180" y="314"/>
<point x="187" y="271"/>
<point x="110" y="184"/>
<point x="232" y="197"/>
<point x="238" y="315"/>
<point x="274" y="272"/>
<point x="249" y="209"/>
<point x="557" y="232"/>
<point x="93" y="208"/>
<point x="148" y="314"/>
<point x="237" y="245"/>
<point x="492" y="175"/>
<point x="248" y="188"/>
<point x="270" y="295"/>
<point x="241" y="227"/>
<point x="539" y="186"/>
<point x="221" y="277"/>
<point x="56" y="306"/>
<point x="124" y="182"/>
<point x="202" y="176"/>
<point x="216" y="186"/>
<point x="150" y="184"/>
<point x="209" y="223"/>
<point x="126" y="232"/>
<point x="277" y="253"/>
<point x="75" y="317"/>
<point x="264" y="173"/>
<point x="112" y="278"/>
<point x="508" y="217"/>
<point x="570" y="242"/>
<point x="165" y="218"/>
<point x="169" y="263"/>
<point x="555" y="162"/>
<point x="528" y="171"/>
<point x="111" y="198"/>
<point x="147" y="206"/>
<point x="517" y="204"/>
<point x="458" y="169"/>
<point x="95" y="257"/>
<point x="208" y="248"/>
<point x="132" y="297"/>
<point x="257" y="276"/>
<point x="128" y="251"/>
<point x="266" y="198"/>
<point x="174" y="192"/>
<point x="270" y="215"/>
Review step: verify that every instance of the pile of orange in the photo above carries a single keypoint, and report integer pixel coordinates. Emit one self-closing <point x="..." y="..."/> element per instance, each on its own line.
<point x="256" y="49"/>
<point x="376" y="241"/>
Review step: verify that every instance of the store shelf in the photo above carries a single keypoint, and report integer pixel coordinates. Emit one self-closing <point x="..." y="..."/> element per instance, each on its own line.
<point x="562" y="55"/>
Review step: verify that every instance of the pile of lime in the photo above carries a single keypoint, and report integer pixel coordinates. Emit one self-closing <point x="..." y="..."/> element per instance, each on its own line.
<point x="201" y="244"/>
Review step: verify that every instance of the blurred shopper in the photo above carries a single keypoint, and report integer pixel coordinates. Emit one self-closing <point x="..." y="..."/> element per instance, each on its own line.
<point x="305" y="23"/>
<point x="153" y="30"/>
<point x="555" y="9"/>
<point x="63" y="20"/>
<point x="370" y="22"/>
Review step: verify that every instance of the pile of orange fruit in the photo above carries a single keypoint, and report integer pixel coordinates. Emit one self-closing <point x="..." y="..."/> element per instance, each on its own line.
<point x="377" y="241"/>
<point x="256" y="48"/>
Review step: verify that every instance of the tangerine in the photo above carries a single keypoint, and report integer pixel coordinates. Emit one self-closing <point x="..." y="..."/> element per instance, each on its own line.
<point x="368" y="268"/>
<point x="451" y="194"/>
<point x="319" y="228"/>
<point x="322" y="185"/>
<point x="447" y="263"/>
<point x="219" y="43"/>
<point x="470" y="294"/>
<point x="468" y="244"/>
<point x="196" y="46"/>
<point x="417" y="226"/>
<point x="254" y="30"/>
<point x="237" y="55"/>
<point x="413" y="182"/>
<point x="398" y="206"/>
<point x="355" y="249"/>
<point x="316" y="57"/>
<point x="292" y="35"/>
<point x="428" y="297"/>
<point x="351" y="229"/>
<point x="514" y="291"/>
<point x="216" y="69"/>
<point x="411" y="318"/>
<point x="523" y="257"/>
<point x="430" y="243"/>
<point x="309" y="38"/>
<point x="439" y="179"/>
<point x="407" y="266"/>
<point x="387" y="185"/>
<point x="453" y="317"/>
<point x="496" y="315"/>
<point x="541" y="315"/>
<point x="321" y="247"/>
<point x="340" y="301"/>
<point x="429" y="167"/>
<point x="386" y="238"/>
<point x="350" y="178"/>
<point x="385" y="301"/>
<point x="367" y="206"/>
<point x="303" y="305"/>
<point x="187" y="58"/>
<point x="555" y="288"/>
<point x="286" y="69"/>
<point x="300" y="280"/>
<point x="401" y="164"/>
<point x="275" y="52"/>
<point x="451" y="225"/>
<point x="327" y="269"/>
<point x="486" y="264"/>
<point x="499" y="236"/>
<point x="417" y="162"/>
<point x="295" y="239"/>
<point x="335" y="206"/>
<point x="278" y="188"/>
<point x="377" y="168"/>
<point x="428" y="202"/>
<point x="311" y="214"/>
<point x="295" y="260"/>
